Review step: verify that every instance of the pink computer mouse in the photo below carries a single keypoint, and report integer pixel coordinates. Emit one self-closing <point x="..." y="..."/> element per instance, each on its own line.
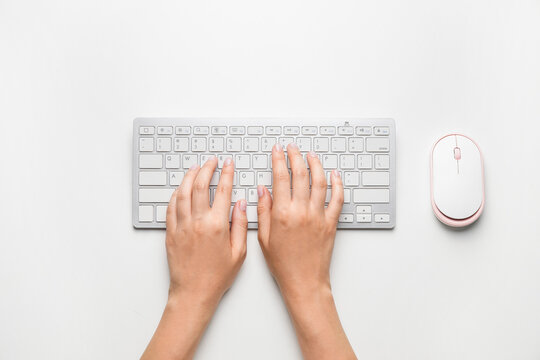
<point x="457" y="180"/>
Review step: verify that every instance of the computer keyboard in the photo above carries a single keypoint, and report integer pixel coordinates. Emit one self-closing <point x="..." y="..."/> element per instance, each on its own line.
<point x="363" y="150"/>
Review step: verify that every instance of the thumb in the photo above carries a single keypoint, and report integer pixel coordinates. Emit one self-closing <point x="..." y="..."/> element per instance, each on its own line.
<point x="264" y="211"/>
<point x="239" y="225"/>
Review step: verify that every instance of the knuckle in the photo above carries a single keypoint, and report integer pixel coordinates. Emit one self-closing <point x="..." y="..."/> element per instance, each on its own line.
<point x="282" y="176"/>
<point x="199" y="186"/>
<point x="300" y="172"/>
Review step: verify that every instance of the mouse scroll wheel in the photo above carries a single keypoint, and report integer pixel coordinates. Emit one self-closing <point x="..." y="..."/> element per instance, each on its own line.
<point x="457" y="153"/>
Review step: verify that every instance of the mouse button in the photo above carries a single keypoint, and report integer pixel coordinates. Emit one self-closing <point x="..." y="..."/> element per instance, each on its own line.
<point x="457" y="153"/>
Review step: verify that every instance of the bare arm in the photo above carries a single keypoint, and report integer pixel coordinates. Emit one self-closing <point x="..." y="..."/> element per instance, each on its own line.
<point x="296" y="234"/>
<point x="204" y="256"/>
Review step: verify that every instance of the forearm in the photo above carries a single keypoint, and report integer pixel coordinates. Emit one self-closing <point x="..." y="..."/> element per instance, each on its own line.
<point x="181" y="327"/>
<point x="317" y="325"/>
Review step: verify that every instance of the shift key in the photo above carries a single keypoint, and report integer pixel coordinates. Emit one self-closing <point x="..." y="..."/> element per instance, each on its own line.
<point x="371" y="196"/>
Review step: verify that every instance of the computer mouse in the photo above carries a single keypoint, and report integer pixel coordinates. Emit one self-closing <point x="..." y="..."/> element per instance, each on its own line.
<point x="457" y="180"/>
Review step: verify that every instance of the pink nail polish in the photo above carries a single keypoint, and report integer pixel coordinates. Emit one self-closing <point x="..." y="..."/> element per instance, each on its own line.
<point x="260" y="191"/>
<point x="293" y="146"/>
<point x="336" y="173"/>
<point x="278" y="147"/>
<point x="242" y="205"/>
<point x="312" y="154"/>
<point x="227" y="162"/>
<point x="193" y="167"/>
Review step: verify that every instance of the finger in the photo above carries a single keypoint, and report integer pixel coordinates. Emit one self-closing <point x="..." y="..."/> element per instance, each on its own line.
<point x="183" y="196"/>
<point x="300" y="176"/>
<point x="239" y="226"/>
<point x="200" y="197"/>
<point x="264" y="212"/>
<point x="171" y="212"/>
<point x="336" y="202"/>
<point x="281" y="180"/>
<point x="318" y="181"/>
<point x="222" y="200"/>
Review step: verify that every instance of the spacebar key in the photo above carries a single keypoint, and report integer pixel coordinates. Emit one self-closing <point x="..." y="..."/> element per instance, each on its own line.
<point x="371" y="195"/>
<point x="155" y="195"/>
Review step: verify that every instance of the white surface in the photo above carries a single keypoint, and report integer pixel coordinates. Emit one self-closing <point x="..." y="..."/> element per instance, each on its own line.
<point x="458" y="189"/>
<point x="78" y="282"/>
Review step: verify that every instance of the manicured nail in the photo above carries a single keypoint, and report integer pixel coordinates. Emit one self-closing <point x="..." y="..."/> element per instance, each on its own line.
<point x="336" y="173"/>
<point x="260" y="191"/>
<point x="242" y="205"/>
<point x="293" y="146"/>
<point x="312" y="154"/>
<point x="278" y="147"/>
<point x="193" y="167"/>
<point x="227" y="162"/>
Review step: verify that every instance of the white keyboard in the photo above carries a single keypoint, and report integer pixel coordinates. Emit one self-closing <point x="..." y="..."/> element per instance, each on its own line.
<point x="363" y="150"/>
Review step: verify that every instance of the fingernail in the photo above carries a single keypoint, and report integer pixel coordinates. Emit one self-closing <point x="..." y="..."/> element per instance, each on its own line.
<point x="312" y="154"/>
<point x="336" y="173"/>
<point x="260" y="191"/>
<point x="227" y="162"/>
<point x="278" y="148"/>
<point x="193" y="167"/>
<point x="242" y="205"/>
<point x="293" y="146"/>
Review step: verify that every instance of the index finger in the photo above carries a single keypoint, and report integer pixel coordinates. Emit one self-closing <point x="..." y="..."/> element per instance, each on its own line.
<point x="281" y="179"/>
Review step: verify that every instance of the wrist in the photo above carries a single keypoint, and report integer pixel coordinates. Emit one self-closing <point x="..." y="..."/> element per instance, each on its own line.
<point x="307" y="295"/>
<point x="199" y="302"/>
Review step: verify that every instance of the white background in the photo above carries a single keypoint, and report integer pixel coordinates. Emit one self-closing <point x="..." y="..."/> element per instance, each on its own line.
<point x="78" y="282"/>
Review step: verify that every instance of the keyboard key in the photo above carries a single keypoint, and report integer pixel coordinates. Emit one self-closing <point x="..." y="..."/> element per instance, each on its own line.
<point x="291" y="130"/>
<point x="146" y="130"/>
<point x="309" y="130"/>
<point x="339" y="144"/>
<point x="321" y="144"/>
<point x="363" y="218"/>
<point x="346" y="161"/>
<point x="363" y="130"/>
<point x="214" y="180"/>
<point x="330" y="161"/>
<point x="189" y="160"/>
<point x="328" y="130"/>
<point x="198" y="144"/>
<point x="364" y="162"/>
<point x="164" y="130"/>
<point x="381" y="130"/>
<point x="264" y="178"/>
<point x="247" y="178"/>
<point x="363" y="209"/>
<point x="260" y="161"/>
<point x="251" y="213"/>
<point x="267" y="143"/>
<point x="237" y="130"/>
<point x="234" y="144"/>
<point x="150" y="161"/>
<point x="219" y="130"/>
<point x="205" y="158"/>
<point x="237" y="194"/>
<point x="255" y="130"/>
<point x="371" y="195"/>
<point x="382" y="218"/>
<point x="356" y="144"/>
<point x="155" y="195"/>
<point x="146" y="213"/>
<point x="221" y="159"/>
<point x="346" y="195"/>
<point x="172" y="162"/>
<point x="183" y="130"/>
<point x="242" y="161"/>
<point x="382" y="161"/>
<point x="251" y="144"/>
<point x="161" y="213"/>
<point x="273" y="130"/>
<point x="351" y="178"/>
<point x="284" y="141"/>
<point x="163" y="144"/>
<point x="152" y="178"/>
<point x="345" y="130"/>
<point x="176" y="177"/>
<point x="346" y="218"/>
<point x="304" y="143"/>
<point x="375" y="178"/>
<point x="253" y="197"/>
<point x="377" y="144"/>
<point x="181" y="144"/>
<point x="146" y="144"/>
<point x="216" y="144"/>
<point x="200" y="130"/>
